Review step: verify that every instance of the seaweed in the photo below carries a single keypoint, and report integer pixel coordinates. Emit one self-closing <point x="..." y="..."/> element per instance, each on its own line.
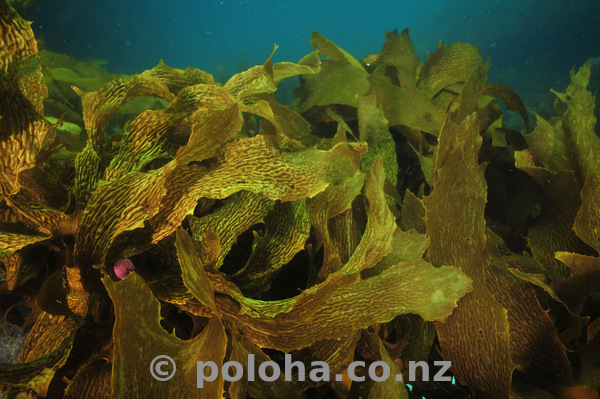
<point x="372" y="222"/>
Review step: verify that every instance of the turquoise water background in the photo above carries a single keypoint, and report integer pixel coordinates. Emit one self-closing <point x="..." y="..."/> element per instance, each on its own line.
<point x="532" y="43"/>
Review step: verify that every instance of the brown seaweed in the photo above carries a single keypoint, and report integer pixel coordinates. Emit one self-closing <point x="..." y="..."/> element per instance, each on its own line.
<point x="356" y="226"/>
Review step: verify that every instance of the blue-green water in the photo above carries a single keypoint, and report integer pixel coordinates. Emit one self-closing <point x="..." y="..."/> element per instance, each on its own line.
<point x="532" y="43"/>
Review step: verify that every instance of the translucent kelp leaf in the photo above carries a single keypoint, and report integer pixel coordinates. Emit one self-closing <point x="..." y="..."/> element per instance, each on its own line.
<point x="471" y="98"/>
<point x="398" y="59"/>
<point x="22" y="133"/>
<point x="535" y="348"/>
<point x="139" y="339"/>
<point x="407" y="246"/>
<point x="99" y="106"/>
<point x="447" y="66"/>
<point x="256" y="80"/>
<point x="153" y="134"/>
<point x="34" y="90"/>
<point x="389" y="388"/>
<point x="32" y="214"/>
<point x="548" y="145"/>
<point x="578" y="124"/>
<point x="45" y="350"/>
<point x="349" y="307"/>
<point x="373" y="128"/>
<point x="308" y="65"/>
<point x="406" y="107"/>
<point x="254" y="165"/>
<point x="337" y="353"/>
<point x="341" y="80"/>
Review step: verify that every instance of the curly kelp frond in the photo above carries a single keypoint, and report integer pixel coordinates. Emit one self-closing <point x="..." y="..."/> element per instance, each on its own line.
<point x="390" y="217"/>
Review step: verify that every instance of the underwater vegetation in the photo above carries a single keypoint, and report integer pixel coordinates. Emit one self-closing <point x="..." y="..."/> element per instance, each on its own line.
<point x="390" y="216"/>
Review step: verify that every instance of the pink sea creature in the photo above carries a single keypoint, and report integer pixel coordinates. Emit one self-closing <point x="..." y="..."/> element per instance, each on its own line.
<point x="123" y="267"/>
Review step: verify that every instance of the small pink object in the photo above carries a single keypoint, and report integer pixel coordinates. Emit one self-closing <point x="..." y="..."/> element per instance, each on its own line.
<point x="123" y="267"/>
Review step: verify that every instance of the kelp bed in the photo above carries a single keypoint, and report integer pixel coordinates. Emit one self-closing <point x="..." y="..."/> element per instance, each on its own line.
<point x="390" y="216"/>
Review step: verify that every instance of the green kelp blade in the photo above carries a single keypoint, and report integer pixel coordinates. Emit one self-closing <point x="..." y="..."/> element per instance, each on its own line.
<point x="509" y="97"/>
<point x="548" y="145"/>
<point x="337" y="353"/>
<point x="407" y="107"/>
<point x="139" y="339"/>
<point x="253" y="164"/>
<point x="256" y="80"/>
<point x="341" y="80"/>
<point x="308" y="65"/>
<point x="447" y="66"/>
<point x="22" y="128"/>
<point x="165" y="196"/>
<point x="398" y="60"/>
<point x="156" y="134"/>
<point x="373" y="129"/>
<point x="578" y="123"/>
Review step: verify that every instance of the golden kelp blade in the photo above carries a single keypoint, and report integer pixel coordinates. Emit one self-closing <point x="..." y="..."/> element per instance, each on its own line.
<point x="22" y="128"/>
<point x="489" y="368"/>
<point x="336" y="307"/>
<point x="139" y="338"/>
